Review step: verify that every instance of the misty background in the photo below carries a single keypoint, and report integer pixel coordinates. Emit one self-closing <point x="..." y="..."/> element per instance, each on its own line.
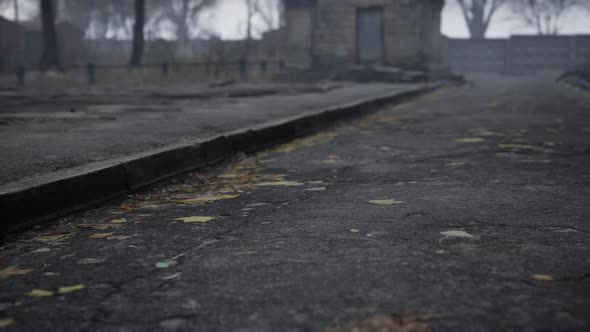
<point x="227" y="19"/>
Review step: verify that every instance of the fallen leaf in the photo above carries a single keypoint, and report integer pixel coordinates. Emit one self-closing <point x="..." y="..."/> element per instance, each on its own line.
<point x="315" y="182"/>
<point x="119" y="237"/>
<point x="462" y="234"/>
<point x="470" y="140"/>
<point x="86" y="261"/>
<point x="354" y="230"/>
<point x="385" y="201"/>
<point x="100" y="235"/>
<point x="6" y="322"/>
<point x="98" y="227"/>
<point x="119" y="221"/>
<point x="51" y="238"/>
<point x="166" y="264"/>
<point x="70" y="289"/>
<point x="279" y="183"/>
<point x="40" y="250"/>
<point x="541" y="277"/>
<point x="13" y="271"/>
<point x="330" y="161"/>
<point x="201" y="219"/>
<point x="404" y="322"/>
<point x="172" y="276"/>
<point x="40" y="293"/>
<point x="51" y="274"/>
<point x="208" y="198"/>
<point x="317" y="189"/>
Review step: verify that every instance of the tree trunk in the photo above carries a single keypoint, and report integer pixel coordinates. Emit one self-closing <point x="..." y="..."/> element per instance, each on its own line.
<point x="138" y="38"/>
<point x="16" y="10"/>
<point x="182" y="47"/>
<point x="49" y="58"/>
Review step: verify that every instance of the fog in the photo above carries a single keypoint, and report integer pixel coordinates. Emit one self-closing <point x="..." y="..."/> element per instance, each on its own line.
<point x="227" y="20"/>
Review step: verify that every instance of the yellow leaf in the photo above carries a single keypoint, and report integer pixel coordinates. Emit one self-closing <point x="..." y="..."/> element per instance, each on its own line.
<point x="279" y="183"/>
<point x="6" y="322"/>
<point x="119" y="221"/>
<point x="70" y="289"/>
<point x="40" y="293"/>
<point x="205" y="199"/>
<point x="13" y="271"/>
<point x="470" y="140"/>
<point x="201" y="219"/>
<point x="100" y="235"/>
<point x="51" y="238"/>
<point x="385" y="201"/>
<point x="541" y="277"/>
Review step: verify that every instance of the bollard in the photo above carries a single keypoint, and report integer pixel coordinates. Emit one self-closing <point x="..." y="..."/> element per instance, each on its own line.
<point x="164" y="67"/>
<point x="216" y="70"/>
<point x="91" y="73"/>
<point x="263" y="67"/>
<point x="244" y="69"/>
<point x="20" y="75"/>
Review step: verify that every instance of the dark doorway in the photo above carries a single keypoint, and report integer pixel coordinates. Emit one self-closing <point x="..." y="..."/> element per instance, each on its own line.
<point x="369" y="30"/>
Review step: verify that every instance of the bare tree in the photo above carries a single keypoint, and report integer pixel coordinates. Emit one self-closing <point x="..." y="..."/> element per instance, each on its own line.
<point x="99" y="18"/>
<point x="49" y="57"/>
<point x="138" y="37"/>
<point x="478" y="15"/>
<point x="545" y="16"/>
<point x="16" y="9"/>
<point x="5" y="4"/>
<point x="184" y="14"/>
<point x="269" y="14"/>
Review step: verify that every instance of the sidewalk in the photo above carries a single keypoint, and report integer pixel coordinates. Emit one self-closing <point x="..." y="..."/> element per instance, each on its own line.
<point x="43" y="134"/>
<point x="96" y="152"/>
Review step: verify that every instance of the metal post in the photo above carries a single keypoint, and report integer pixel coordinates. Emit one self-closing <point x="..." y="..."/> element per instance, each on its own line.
<point x="91" y="73"/>
<point x="20" y="75"/>
<point x="216" y="70"/>
<point x="244" y="69"/>
<point x="164" y="67"/>
<point x="263" y="67"/>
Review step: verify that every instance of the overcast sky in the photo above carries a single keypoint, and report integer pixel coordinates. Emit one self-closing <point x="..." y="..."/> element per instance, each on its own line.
<point x="229" y="17"/>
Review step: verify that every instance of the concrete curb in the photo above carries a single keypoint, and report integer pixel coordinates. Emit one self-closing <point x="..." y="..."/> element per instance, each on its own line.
<point x="35" y="200"/>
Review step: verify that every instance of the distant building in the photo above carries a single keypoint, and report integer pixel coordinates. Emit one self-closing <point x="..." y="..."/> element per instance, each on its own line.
<point x="388" y="32"/>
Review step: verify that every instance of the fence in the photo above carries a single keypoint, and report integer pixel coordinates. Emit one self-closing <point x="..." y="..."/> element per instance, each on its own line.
<point x="518" y="54"/>
<point x="91" y="74"/>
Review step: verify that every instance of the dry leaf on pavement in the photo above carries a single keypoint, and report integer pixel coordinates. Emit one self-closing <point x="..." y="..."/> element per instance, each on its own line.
<point x="13" y="271"/>
<point x="6" y="322"/>
<point x="404" y="322"/>
<point x="100" y="235"/>
<point x="201" y="219"/>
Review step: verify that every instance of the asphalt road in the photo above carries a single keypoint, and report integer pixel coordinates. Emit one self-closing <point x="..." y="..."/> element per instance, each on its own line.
<point x="466" y="210"/>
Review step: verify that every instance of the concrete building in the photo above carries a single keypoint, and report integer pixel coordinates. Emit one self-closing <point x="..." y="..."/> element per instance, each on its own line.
<point x="387" y="32"/>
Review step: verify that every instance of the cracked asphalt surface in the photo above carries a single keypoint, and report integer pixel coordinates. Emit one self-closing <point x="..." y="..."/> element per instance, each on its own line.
<point x="469" y="207"/>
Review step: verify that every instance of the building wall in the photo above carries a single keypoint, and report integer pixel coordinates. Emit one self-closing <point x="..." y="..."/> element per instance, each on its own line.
<point x="410" y="30"/>
<point x="518" y="54"/>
